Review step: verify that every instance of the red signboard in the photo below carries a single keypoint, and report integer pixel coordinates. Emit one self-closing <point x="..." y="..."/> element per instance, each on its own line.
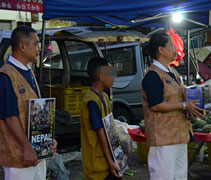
<point x="35" y="6"/>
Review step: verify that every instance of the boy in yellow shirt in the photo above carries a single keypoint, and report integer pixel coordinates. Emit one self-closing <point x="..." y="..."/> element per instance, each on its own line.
<point x="97" y="159"/>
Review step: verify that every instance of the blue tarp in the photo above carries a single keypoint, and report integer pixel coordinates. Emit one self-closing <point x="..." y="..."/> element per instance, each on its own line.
<point x="122" y="12"/>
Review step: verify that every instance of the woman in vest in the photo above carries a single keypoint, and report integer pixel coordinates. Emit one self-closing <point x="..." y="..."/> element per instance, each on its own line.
<point x="167" y="128"/>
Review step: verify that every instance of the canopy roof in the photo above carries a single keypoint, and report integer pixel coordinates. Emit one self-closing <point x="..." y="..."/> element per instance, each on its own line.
<point x="151" y="13"/>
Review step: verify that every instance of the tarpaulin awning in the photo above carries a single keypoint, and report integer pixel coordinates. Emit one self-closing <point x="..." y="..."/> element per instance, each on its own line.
<point x="150" y="13"/>
<point x="124" y="12"/>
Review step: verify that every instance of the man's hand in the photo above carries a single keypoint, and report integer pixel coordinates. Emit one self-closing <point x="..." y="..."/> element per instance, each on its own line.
<point x="15" y="127"/>
<point x="192" y="109"/>
<point x="29" y="156"/>
<point x="114" y="169"/>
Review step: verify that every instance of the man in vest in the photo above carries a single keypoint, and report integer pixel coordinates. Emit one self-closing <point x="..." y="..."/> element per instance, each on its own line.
<point x="18" y="85"/>
<point x="166" y="125"/>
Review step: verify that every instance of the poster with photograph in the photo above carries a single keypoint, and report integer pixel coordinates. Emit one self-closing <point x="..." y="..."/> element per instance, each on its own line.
<point x="41" y="126"/>
<point x="114" y="143"/>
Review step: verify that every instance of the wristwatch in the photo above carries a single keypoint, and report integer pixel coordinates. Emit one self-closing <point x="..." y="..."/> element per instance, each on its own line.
<point x="184" y="106"/>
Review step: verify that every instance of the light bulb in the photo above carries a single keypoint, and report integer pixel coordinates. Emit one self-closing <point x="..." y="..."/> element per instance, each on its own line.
<point x="177" y="17"/>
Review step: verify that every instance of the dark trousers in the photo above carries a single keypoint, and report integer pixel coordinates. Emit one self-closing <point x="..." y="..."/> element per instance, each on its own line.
<point x="112" y="177"/>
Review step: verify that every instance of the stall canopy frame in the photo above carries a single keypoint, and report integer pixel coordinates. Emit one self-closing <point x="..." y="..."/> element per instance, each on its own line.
<point x="124" y="13"/>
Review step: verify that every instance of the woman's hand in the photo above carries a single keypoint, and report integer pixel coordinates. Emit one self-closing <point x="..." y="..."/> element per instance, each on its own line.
<point x="193" y="110"/>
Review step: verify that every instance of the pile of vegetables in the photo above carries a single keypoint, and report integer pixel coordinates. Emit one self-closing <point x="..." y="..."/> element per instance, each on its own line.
<point x="142" y="126"/>
<point x="202" y="125"/>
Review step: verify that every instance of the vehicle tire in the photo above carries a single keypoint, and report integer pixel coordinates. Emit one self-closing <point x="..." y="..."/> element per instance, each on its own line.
<point x="123" y="115"/>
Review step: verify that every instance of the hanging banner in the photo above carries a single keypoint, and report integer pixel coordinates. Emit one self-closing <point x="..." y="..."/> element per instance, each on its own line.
<point x="35" y="6"/>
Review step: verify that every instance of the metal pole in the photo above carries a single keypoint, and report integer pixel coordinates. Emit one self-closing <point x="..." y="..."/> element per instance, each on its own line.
<point x="158" y="16"/>
<point x="42" y="52"/>
<point x="188" y="57"/>
<point x="195" y="22"/>
<point x="104" y="21"/>
<point x="106" y="52"/>
<point x="201" y="31"/>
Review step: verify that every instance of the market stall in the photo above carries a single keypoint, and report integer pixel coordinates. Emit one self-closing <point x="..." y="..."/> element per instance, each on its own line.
<point x="123" y="14"/>
<point x="137" y="136"/>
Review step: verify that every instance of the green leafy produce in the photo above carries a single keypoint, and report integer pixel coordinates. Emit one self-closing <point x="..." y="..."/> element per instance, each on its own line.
<point x="207" y="119"/>
<point x="200" y="124"/>
<point x="130" y="173"/>
<point x="142" y="126"/>
<point x="193" y="120"/>
<point x="206" y="128"/>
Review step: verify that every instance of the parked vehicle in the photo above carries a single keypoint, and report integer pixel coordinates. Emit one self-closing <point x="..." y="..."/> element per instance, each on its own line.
<point x="128" y="59"/>
<point x="67" y="52"/>
<point x="66" y="55"/>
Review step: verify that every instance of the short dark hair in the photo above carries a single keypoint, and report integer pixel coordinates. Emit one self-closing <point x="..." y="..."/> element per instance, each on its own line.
<point x="93" y="65"/>
<point x="157" y="40"/>
<point x="19" y="33"/>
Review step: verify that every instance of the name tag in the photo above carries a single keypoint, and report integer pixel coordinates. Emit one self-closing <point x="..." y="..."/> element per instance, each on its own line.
<point x="168" y="81"/>
<point x="21" y="89"/>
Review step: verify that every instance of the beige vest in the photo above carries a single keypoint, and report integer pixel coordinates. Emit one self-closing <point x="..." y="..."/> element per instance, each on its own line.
<point x="11" y="154"/>
<point x="169" y="127"/>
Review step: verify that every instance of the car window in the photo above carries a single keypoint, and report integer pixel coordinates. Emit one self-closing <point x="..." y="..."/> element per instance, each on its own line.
<point x="7" y="54"/>
<point x="79" y="54"/>
<point x="123" y="58"/>
<point x="52" y="58"/>
<point x="5" y="50"/>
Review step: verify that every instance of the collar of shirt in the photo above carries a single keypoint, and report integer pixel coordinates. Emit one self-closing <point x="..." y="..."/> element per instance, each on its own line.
<point x="156" y="63"/>
<point x="100" y="95"/>
<point x="18" y="63"/>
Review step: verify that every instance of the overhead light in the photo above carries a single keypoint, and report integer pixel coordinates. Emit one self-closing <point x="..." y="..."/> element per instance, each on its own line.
<point x="177" y="17"/>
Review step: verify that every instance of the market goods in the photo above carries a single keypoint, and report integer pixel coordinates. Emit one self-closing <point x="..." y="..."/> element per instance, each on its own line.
<point x="202" y="125"/>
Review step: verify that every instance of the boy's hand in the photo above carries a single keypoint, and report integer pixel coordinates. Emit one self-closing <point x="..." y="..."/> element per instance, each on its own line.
<point x="54" y="146"/>
<point x="114" y="169"/>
